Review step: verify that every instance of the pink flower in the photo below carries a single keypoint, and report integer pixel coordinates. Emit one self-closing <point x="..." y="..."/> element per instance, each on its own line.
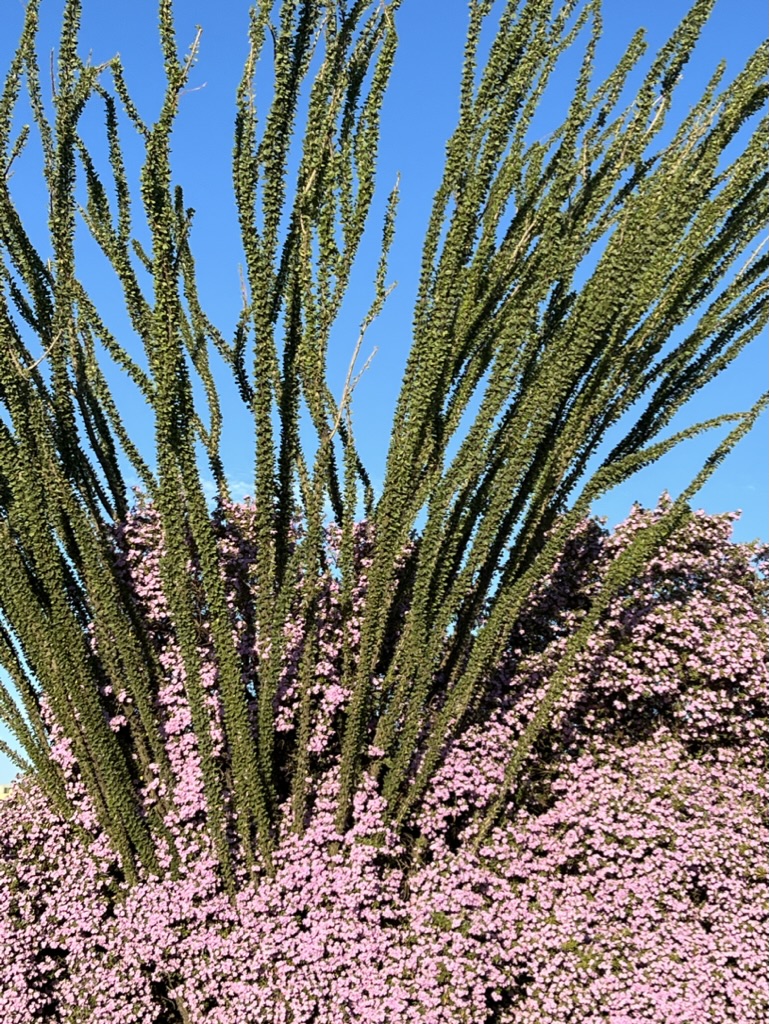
<point x="624" y="882"/>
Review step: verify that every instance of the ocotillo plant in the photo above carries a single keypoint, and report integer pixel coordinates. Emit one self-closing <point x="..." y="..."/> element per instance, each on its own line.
<point x="675" y="294"/>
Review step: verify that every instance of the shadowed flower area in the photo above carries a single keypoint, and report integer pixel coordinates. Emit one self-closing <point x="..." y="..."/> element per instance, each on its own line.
<point x="622" y="881"/>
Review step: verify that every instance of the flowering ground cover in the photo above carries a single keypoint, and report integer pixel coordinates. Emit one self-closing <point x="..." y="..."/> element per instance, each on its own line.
<point x="623" y="880"/>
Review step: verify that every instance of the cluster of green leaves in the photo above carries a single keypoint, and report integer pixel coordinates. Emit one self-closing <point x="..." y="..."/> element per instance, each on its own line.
<point x="556" y="365"/>
<point x="499" y="320"/>
<point x="57" y="572"/>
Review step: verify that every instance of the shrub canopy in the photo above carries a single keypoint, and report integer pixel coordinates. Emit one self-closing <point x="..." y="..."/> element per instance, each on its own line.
<point x="619" y="877"/>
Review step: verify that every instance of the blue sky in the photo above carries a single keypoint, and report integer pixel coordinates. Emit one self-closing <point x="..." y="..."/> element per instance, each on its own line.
<point x="420" y="113"/>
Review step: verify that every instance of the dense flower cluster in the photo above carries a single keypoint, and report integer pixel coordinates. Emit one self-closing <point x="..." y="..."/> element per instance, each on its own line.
<point x="625" y="882"/>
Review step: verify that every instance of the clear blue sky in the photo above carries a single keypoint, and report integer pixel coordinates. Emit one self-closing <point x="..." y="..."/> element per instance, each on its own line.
<point x="420" y="113"/>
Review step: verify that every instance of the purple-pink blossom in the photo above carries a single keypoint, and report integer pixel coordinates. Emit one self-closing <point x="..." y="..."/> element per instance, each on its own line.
<point x="626" y="881"/>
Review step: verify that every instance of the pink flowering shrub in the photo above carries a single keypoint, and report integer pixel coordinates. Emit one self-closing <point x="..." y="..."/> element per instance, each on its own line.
<point x="625" y="882"/>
